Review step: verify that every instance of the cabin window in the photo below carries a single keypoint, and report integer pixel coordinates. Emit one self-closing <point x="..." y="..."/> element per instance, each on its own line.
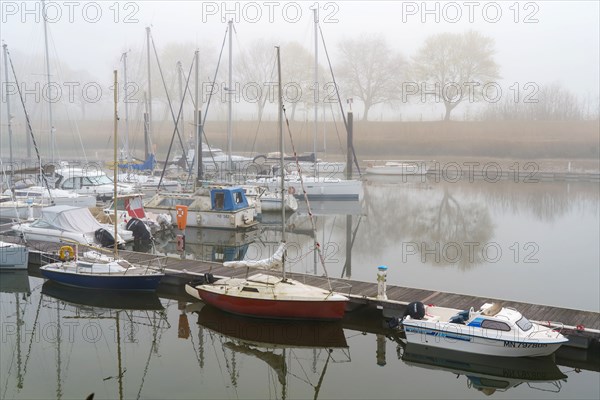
<point x="238" y="198"/>
<point x="219" y="201"/>
<point x="524" y="324"/>
<point x="496" y="325"/>
<point x="69" y="184"/>
<point x="249" y="289"/>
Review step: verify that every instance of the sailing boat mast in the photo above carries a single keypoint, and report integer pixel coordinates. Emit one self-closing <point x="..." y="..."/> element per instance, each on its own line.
<point x="115" y="168"/>
<point x="316" y="86"/>
<point x="126" y="99"/>
<point x="52" y="130"/>
<point x="148" y="150"/>
<point x="229" y="100"/>
<point x="8" y="116"/>
<point x="281" y="151"/>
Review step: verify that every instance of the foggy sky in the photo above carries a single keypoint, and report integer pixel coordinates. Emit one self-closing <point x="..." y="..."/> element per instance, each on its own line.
<point x="559" y="44"/>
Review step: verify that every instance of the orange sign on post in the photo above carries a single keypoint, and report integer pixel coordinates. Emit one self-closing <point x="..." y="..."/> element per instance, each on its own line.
<point x="181" y="216"/>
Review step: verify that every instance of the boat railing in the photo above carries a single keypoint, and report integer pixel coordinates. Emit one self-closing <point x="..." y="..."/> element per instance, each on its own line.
<point x="556" y="327"/>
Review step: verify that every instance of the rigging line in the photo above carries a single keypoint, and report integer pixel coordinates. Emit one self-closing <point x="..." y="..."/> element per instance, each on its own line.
<point x="208" y="103"/>
<point x="176" y="130"/>
<point x="37" y="152"/>
<point x="60" y="74"/>
<point x="263" y="110"/>
<point x="175" y="121"/>
<point x="310" y="214"/>
<point x="337" y="92"/>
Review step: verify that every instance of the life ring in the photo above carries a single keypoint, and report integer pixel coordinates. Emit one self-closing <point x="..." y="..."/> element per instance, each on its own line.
<point x="65" y="253"/>
<point x="291" y="190"/>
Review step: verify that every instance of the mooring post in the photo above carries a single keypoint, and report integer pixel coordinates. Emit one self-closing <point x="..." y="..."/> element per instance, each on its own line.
<point x="380" y="353"/>
<point x="381" y="279"/>
<point x="349" y="147"/>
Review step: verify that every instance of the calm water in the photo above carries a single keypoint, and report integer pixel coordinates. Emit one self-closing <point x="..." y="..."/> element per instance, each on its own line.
<point x="65" y="343"/>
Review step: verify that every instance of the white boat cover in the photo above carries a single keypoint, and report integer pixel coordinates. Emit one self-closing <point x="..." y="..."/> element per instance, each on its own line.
<point x="69" y="218"/>
<point x="273" y="262"/>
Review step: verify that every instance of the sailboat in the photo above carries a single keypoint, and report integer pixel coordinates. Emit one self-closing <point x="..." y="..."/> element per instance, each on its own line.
<point x="314" y="187"/>
<point x="264" y="295"/>
<point x="98" y="271"/>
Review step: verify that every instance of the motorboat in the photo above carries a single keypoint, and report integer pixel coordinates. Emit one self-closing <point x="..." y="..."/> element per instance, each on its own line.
<point x="213" y="207"/>
<point x="492" y="330"/>
<point x="42" y="196"/>
<point x="13" y="256"/>
<point x="68" y="224"/>
<point x="95" y="270"/>
<point x="91" y="181"/>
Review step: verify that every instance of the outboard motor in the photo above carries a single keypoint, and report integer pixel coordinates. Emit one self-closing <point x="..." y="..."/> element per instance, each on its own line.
<point x="104" y="237"/>
<point x="139" y="229"/>
<point x="415" y="310"/>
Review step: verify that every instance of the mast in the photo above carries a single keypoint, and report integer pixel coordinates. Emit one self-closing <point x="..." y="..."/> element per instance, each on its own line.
<point x="149" y="88"/>
<point x="8" y="116"/>
<point x="229" y="100"/>
<point x="281" y="149"/>
<point x="115" y="169"/>
<point x="126" y="100"/>
<point x="316" y="95"/>
<point x="52" y="130"/>
<point x="179" y="78"/>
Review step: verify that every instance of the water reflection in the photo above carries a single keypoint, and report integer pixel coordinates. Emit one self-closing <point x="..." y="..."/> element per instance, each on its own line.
<point x="293" y="350"/>
<point x="485" y="373"/>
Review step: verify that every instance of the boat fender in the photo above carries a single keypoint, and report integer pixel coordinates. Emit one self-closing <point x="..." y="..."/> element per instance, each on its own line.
<point x="292" y="190"/>
<point x="65" y="253"/>
<point x="416" y="310"/>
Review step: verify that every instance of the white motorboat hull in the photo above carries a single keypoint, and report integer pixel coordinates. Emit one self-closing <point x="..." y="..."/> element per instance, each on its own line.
<point x="463" y="338"/>
<point x="316" y="188"/>
<point x="13" y="256"/>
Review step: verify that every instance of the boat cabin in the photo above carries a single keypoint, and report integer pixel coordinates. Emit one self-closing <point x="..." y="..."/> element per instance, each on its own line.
<point x="228" y="199"/>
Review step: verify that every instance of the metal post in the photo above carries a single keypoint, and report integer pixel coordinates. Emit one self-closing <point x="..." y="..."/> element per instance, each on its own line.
<point x="200" y="175"/>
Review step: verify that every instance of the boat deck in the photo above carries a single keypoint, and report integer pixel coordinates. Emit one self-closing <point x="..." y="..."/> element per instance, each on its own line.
<point x="580" y="326"/>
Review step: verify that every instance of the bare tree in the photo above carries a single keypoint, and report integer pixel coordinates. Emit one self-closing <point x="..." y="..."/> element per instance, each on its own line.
<point x="369" y="71"/>
<point x="254" y="73"/>
<point x="455" y="67"/>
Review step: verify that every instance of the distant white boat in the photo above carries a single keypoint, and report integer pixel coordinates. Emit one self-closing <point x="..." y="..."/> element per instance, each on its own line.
<point x="317" y="188"/>
<point x="90" y="181"/>
<point x="396" y="167"/>
<point x="13" y="256"/>
<point x="42" y="196"/>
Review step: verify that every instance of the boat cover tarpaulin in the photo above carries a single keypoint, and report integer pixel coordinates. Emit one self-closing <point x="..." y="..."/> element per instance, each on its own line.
<point x="70" y="218"/>
<point x="273" y="262"/>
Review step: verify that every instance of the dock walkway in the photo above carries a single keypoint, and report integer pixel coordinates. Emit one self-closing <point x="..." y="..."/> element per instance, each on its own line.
<point x="581" y="326"/>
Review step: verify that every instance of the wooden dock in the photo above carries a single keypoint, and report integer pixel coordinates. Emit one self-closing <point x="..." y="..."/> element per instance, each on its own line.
<point x="582" y="327"/>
